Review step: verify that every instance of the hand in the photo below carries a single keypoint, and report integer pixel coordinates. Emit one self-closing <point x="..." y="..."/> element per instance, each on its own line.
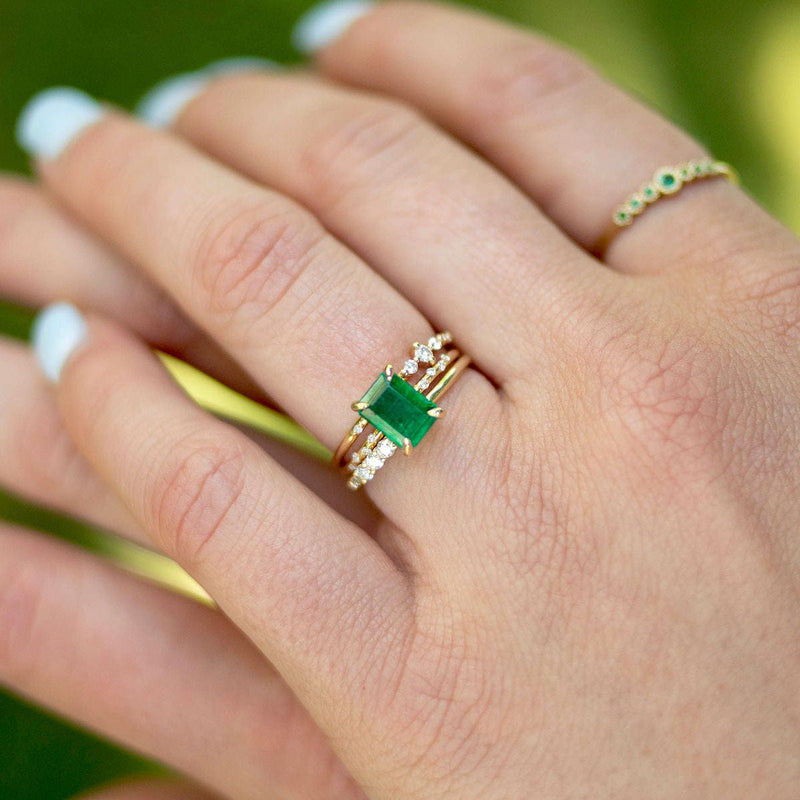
<point x="584" y="583"/>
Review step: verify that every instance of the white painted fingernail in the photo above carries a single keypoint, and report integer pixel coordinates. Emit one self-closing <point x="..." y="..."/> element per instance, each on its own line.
<point x="230" y="66"/>
<point x="57" y="333"/>
<point x="53" y="118"/>
<point x="326" y="22"/>
<point x="161" y="106"/>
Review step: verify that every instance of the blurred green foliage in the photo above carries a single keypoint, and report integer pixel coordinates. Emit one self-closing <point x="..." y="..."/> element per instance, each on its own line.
<point x="725" y="70"/>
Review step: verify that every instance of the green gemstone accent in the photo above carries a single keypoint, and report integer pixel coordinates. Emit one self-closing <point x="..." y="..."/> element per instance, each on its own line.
<point x="667" y="180"/>
<point x="649" y="193"/>
<point x="635" y="203"/>
<point x="622" y="217"/>
<point x="398" y="410"/>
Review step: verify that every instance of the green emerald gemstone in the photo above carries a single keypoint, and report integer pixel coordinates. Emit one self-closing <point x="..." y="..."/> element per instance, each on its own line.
<point x="649" y="192"/>
<point x="398" y="410"/>
<point x="668" y="180"/>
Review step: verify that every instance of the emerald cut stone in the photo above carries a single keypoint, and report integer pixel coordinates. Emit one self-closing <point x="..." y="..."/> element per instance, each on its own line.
<point x="398" y="410"/>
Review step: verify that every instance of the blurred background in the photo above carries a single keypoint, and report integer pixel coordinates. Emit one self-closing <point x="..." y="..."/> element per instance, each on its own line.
<point x="729" y="71"/>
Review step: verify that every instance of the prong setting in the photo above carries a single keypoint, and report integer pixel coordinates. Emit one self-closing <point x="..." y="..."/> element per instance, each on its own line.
<point x="397" y="411"/>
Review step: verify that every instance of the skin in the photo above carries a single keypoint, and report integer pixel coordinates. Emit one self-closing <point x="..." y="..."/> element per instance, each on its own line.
<point x="583" y="584"/>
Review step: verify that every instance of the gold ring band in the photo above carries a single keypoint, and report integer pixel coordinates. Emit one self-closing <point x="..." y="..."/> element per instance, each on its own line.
<point x="666" y="182"/>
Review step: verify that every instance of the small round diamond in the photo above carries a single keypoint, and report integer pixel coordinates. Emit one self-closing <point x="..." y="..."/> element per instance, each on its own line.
<point x="372" y="438"/>
<point x="424" y="354"/>
<point x="410" y="367"/>
<point x="386" y="448"/>
<point x="435" y="343"/>
<point x="363" y="473"/>
<point x="363" y="453"/>
<point x="373" y="462"/>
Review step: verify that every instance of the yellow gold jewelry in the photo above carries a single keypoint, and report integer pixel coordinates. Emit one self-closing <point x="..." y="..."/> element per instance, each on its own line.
<point x="668" y="181"/>
<point x="397" y="411"/>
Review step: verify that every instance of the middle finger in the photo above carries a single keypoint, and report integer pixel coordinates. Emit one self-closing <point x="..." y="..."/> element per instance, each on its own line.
<point x="464" y="241"/>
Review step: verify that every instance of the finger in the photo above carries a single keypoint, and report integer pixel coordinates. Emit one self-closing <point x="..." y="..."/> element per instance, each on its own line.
<point x="149" y="789"/>
<point x="389" y="184"/>
<point x="163" y="675"/>
<point x="38" y="459"/>
<point x="46" y="256"/>
<point x="578" y="145"/>
<point x="303" y="314"/>
<point x="318" y="596"/>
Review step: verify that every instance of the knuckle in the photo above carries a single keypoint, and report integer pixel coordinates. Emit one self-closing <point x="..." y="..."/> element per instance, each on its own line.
<point x="253" y="259"/>
<point x="771" y="303"/>
<point x="374" y="136"/>
<point x="669" y="397"/>
<point x="194" y="495"/>
<point x="525" y="79"/>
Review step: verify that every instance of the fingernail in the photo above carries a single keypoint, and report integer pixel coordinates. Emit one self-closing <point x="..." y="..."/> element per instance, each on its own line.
<point x="58" y="331"/>
<point x="53" y="118"/>
<point x="326" y="22"/>
<point x="162" y="104"/>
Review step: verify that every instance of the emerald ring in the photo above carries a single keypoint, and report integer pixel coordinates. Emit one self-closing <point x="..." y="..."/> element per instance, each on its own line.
<point x="668" y="181"/>
<point x="399" y="408"/>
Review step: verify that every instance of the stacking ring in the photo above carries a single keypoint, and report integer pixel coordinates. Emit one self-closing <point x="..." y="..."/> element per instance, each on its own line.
<point x="668" y="181"/>
<point x="398" y="409"/>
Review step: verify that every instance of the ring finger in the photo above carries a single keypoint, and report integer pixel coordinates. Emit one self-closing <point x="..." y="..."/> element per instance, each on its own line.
<point x="302" y="313"/>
